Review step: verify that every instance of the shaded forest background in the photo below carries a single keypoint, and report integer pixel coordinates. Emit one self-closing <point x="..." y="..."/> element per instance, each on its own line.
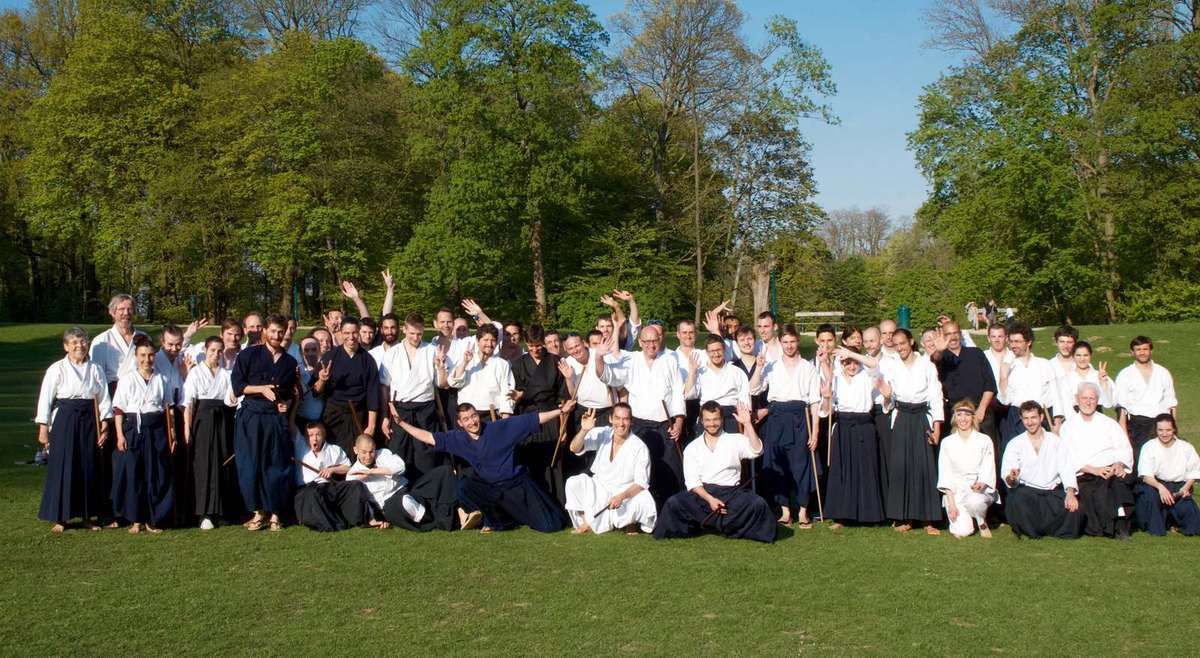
<point x="214" y="157"/>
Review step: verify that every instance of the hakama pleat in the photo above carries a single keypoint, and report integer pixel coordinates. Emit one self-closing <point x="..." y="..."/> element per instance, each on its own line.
<point x="1140" y="429"/>
<point x="911" y="492"/>
<point x="514" y="501"/>
<point x="142" y="489"/>
<point x="343" y="424"/>
<point x="883" y="432"/>
<point x="666" y="459"/>
<point x="437" y="491"/>
<point x="587" y="501"/>
<point x="419" y="458"/>
<point x="215" y="484"/>
<point x="1154" y="517"/>
<point x="687" y="515"/>
<point x="264" y="458"/>
<point x="181" y="473"/>
<point x="332" y="506"/>
<point x="70" y="488"/>
<point x="1100" y="500"/>
<point x="787" y="473"/>
<point x="1036" y="513"/>
<point x="536" y="452"/>
<point x="853" y="483"/>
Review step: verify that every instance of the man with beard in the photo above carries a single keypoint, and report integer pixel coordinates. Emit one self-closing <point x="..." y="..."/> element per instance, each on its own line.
<point x="349" y="382"/>
<point x="389" y="334"/>
<point x="483" y="380"/>
<point x="410" y="375"/>
<point x="1027" y="378"/>
<point x="965" y="375"/>
<point x="1144" y="390"/>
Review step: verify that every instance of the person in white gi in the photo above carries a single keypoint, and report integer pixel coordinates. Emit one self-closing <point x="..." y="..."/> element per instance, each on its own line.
<point x="967" y="474"/>
<point x="617" y="494"/>
<point x="1144" y="390"/>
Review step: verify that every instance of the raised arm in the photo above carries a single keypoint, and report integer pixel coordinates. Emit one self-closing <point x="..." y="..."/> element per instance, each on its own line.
<point x="586" y="422"/>
<point x="424" y="436"/>
<point x="351" y="292"/>
<point x="389" y="287"/>
<point x="547" y="416"/>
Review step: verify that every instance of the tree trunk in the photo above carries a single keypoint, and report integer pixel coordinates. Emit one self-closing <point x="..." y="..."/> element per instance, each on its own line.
<point x="737" y="278"/>
<point x="539" y="274"/>
<point x="696" y="215"/>
<point x="760" y="284"/>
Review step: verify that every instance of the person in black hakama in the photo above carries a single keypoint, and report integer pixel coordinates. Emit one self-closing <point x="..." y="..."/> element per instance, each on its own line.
<point x="853" y="492"/>
<point x="539" y="385"/>
<point x="264" y="376"/>
<point x="1041" y="500"/>
<point x="142" y="489"/>
<point x="208" y="433"/>
<point x="911" y="385"/>
<point x="323" y="503"/>
<point x="1168" y="467"/>
<point x="1103" y="461"/>
<point x="349" y="382"/>
<point x="72" y="407"/>
<point x="499" y="488"/>
<point x="410" y="376"/>
<point x="713" y="500"/>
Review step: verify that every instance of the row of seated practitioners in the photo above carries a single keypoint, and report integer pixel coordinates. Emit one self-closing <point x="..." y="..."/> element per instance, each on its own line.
<point x="255" y="461"/>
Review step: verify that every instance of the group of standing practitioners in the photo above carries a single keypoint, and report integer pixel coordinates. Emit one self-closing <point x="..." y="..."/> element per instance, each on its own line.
<point x="363" y="423"/>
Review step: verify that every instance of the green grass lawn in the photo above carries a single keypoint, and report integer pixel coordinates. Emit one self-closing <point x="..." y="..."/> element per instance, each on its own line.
<point x="855" y="591"/>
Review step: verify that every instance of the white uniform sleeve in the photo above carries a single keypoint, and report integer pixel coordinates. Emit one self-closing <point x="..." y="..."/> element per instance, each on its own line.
<point x="691" y="467"/>
<point x="641" y="468"/>
<point x="1148" y="459"/>
<point x="987" y="464"/>
<point x="46" y="397"/>
<point x="391" y="461"/>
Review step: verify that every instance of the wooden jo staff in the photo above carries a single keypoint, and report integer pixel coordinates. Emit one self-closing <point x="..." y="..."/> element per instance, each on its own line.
<point x="817" y="479"/>
<point x="562" y="432"/>
<point x="169" y="419"/>
<point x="358" y="428"/>
<point x="96" y="410"/>
<point x="674" y="441"/>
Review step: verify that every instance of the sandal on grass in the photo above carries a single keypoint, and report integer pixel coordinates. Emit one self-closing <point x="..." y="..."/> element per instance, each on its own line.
<point x="254" y="524"/>
<point x="153" y="530"/>
<point x="58" y="529"/>
<point x="276" y="526"/>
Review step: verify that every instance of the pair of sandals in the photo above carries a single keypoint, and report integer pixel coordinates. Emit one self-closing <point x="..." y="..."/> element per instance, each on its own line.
<point x="60" y="528"/>
<point x="906" y="527"/>
<point x="256" y="524"/>
<point x="136" y="528"/>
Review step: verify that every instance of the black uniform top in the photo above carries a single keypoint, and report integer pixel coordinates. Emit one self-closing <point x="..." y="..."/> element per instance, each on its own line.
<point x="255" y="366"/>
<point x="541" y="384"/>
<point x="352" y="378"/>
<point x="967" y="375"/>
<point x="756" y="401"/>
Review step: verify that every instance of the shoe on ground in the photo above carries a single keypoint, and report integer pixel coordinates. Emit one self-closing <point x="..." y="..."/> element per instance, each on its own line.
<point x="207" y="524"/>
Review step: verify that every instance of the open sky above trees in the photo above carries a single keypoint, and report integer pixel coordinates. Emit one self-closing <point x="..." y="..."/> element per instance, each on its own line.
<point x="533" y="154"/>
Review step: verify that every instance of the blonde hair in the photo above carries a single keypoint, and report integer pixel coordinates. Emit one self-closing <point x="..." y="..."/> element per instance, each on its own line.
<point x="966" y="405"/>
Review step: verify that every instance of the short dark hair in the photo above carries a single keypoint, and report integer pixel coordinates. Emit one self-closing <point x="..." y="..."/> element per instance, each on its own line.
<point x="348" y="319"/>
<point x="789" y="329"/>
<point x="213" y="339"/>
<point x="1031" y="405"/>
<point x="1141" y="340"/>
<point x="553" y="332"/>
<point x="743" y="330"/>
<point x="1066" y="330"/>
<point x="514" y="323"/>
<point x="1166" y="418"/>
<point x="849" y="330"/>
<point x="142" y="340"/>
<point x="444" y="309"/>
<point x="536" y="333"/>
<point x="170" y="329"/>
<point x="414" y="320"/>
<point x="998" y="325"/>
<point x="467" y="406"/>
<point x="1082" y="343"/>
<point x="230" y="323"/>
<point x="1022" y="329"/>
<point x="315" y="424"/>
<point x="901" y="331"/>
<point x="713" y="338"/>
<point x="595" y="333"/>
<point x="276" y="319"/>
<point x="487" y="329"/>
<point x="710" y="407"/>
<point x="622" y="405"/>
<point x="826" y="328"/>
<point x="767" y="315"/>
<point x="367" y="322"/>
<point x="389" y="316"/>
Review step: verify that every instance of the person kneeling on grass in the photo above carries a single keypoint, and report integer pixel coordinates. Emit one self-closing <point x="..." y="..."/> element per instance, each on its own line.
<point x="429" y="504"/>
<point x="322" y="503"/>
<point x="967" y="474"/>
<point x="1037" y="468"/>
<point x="499" y="489"/>
<point x="712" y="466"/>
<point x="617" y="494"/>
<point x="1103" y="463"/>
<point x="1168" y="468"/>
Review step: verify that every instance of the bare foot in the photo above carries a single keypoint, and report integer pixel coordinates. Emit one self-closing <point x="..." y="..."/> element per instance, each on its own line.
<point x="902" y="527"/>
<point x="112" y="524"/>
<point x="153" y="530"/>
<point x="58" y="529"/>
<point x="582" y="530"/>
<point x="135" y="528"/>
<point x="785" y="518"/>
<point x="836" y="526"/>
<point x="932" y="531"/>
<point x="382" y="525"/>
<point x="985" y="532"/>
<point x="88" y="525"/>
<point x="485" y="530"/>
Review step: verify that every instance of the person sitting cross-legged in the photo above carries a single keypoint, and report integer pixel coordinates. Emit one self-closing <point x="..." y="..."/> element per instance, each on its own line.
<point x="1041" y="500"/>
<point x="713" y="500"/>
<point x="1168" y="467"/>
<point x="323" y="503"/>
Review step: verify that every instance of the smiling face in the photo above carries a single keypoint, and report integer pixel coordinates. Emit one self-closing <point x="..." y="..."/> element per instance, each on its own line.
<point x="349" y="336"/>
<point x="389" y="331"/>
<point x="366" y="335"/>
<point x="1083" y="357"/>
<point x="413" y="333"/>
<point x="1032" y="420"/>
<point x="963" y="419"/>
<point x="997" y="339"/>
<point x="273" y="335"/>
<point x="575" y="349"/>
<point x="766" y="329"/>
<point x="855" y="339"/>
<point x="1018" y="345"/>
<point x="870" y="342"/>
<point x="487" y="345"/>
<point x="145" y="359"/>
<point x="333" y="321"/>
<point x="76" y="348"/>
<point x="554" y="344"/>
<point x="469" y="420"/>
<point x="212" y="354"/>
<point x="902" y="345"/>
<point x="621" y="420"/>
<point x="605" y="327"/>
<point x="649" y="341"/>
<point x="686" y="333"/>
<point x="122" y="314"/>
<point x="443" y="322"/>
<point x="1164" y="431"/>
<point x="172" y="345"/>
<point x="711" y="420"/>
<point x="364" y="451"/>
<point x="1066" y="345"/>
<point x="1087" y="400"/>
<point x="790" y="345"/>
<point x="745" y="343"/>
<point x="716" y="353"/>
<point x="887" y="331"/>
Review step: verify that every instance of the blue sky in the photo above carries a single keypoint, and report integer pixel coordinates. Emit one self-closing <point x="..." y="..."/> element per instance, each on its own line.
<point x="874" y="48"/>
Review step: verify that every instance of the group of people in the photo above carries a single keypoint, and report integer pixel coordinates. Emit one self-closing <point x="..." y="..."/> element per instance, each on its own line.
<point x="364" y="423"/>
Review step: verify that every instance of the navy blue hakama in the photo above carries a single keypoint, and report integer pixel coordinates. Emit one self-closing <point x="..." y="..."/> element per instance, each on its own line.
<point x="264" y="457"/>
<point x="70" y="489"/>
<point x="516" y="501"/>
<point x="1037" y="513"/>
<point x="419" y="458"/>
<point x="788" y="477"/>
<point x="1154" y="517"/>
<point x="852" y="489"/>
<point x="142" y="488"/>
<point x="747" y="515"/>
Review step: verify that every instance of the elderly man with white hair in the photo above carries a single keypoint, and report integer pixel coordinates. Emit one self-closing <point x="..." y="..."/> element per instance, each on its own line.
<point x="1100" y="453"/>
